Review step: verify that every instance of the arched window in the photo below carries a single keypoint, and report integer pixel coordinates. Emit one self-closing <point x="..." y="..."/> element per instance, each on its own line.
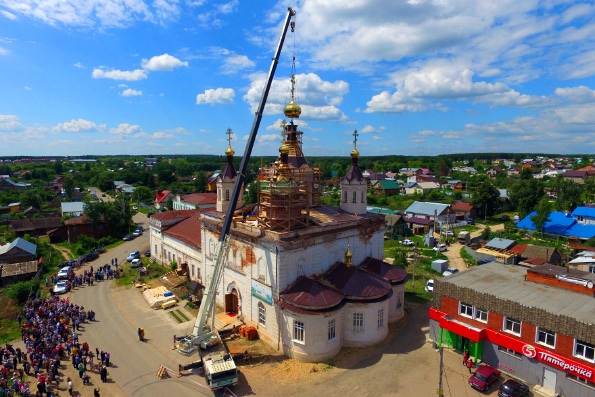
<point x="363" y="197"/>
<point x="261" y="270"/>
<point x="345" y="197"/>
<point x="301" y="268"/>
<point x="354" y="197"/>
<point x="262" y="313"/>
<point x="219" y="194"/>
<point x="226" y="195"/>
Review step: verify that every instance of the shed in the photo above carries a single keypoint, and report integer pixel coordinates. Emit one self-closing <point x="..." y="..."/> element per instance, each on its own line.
<point x="440" y="265"/>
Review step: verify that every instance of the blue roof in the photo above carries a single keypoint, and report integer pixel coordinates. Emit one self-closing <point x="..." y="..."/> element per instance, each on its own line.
<point x="584" y="211"/>
<point x="20" y="243"/>
<point x="560" y="223"/>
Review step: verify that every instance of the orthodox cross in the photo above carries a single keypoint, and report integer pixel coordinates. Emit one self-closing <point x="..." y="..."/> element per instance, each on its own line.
<point x="229" y="132"/>
<point x="284" y="130"/>
<point x="355" y="134"/>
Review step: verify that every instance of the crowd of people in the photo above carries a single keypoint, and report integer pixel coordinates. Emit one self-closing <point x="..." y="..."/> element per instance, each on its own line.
<point x="50" y="332"/>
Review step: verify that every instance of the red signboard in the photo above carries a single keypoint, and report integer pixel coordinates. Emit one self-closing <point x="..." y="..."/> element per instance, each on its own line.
<point x="542" y="355"/>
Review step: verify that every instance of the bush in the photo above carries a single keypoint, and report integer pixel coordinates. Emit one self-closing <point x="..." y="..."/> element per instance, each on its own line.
<point x="87" y="243"/>
<point x="108" y="240"/>
<point x="20" y="291"/>
<point x="173" y="265"/>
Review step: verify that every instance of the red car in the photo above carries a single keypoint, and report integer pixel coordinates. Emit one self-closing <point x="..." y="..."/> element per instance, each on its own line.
<point x="484" y="377"/>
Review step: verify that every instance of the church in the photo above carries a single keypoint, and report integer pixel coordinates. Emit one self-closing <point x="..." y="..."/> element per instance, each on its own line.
<point x="309" y="276"/>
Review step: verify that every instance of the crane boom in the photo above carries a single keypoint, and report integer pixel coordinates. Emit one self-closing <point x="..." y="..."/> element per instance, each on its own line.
<point x="203" y="335"/>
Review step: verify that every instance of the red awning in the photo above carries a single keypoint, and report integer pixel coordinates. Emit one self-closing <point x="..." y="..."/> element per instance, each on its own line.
<point x="458" y="327"/>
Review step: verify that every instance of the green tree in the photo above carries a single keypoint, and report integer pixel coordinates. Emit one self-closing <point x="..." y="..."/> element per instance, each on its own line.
<point x="68" y="186"/>
<point x="252" y="196"/>
<point x="200" y="183"/>
<point x="486" y="233"/>
<point x="568" y="194"/>
<point x="142" y="193"/>
<point x="526" y="173"/>
<point x="543" y="209"/>
<point x="31" y="198"/>
<point x="486" y="199"/>
<point x="525" y="194"/>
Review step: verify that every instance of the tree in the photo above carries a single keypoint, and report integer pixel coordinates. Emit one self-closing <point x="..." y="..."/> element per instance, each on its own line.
<point x="142" y="193"/>
<point x="200" y="183"/>
<point x="68" y="186"/>
<point x="526" y="173"/>
<point x="31" y="198"/>
<point x="105" y="182"/>
<point x="486" y="233"/>
<point x="525" y="194"/>
<point x="544" y="209"/>
<point x="58" y="168"/>
<point x="568" y="194"/>
<point x="486" y="199"/>
<point x="252" y="196"/>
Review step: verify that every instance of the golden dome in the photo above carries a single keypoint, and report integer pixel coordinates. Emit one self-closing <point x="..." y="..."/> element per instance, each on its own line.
<point x="229" y="151"/>
<point x="284" y="149"/>
<point x="348" y="254"/>
<point x="292" y="110"/>
<point x="354" y="153"/>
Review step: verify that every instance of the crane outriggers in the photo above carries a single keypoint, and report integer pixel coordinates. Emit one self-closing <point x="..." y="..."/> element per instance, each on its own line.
<point x="219" y="368"/>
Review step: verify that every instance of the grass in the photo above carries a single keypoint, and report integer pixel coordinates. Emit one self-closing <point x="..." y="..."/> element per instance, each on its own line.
<point x="469" y="260"/>
<point x="181" y="314"/>
<point x="176" y="317"/>
<point x="155" y="271"/>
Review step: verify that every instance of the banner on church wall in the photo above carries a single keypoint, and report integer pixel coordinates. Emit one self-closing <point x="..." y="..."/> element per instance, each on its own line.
<point x="262" y="292"/>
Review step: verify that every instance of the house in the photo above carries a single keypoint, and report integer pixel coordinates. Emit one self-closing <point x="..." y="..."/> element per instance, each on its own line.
<point x="14" y="272"/>
<point x="588" y="168"/>
<point x="494" y="171"/>
<point x="408" y="171"/>
<point x="460" y="186"/>
<point x="579" y="224"/>
<point x="82" y="225"/>
<point x="419" y="225"/>
<point x="374" y="177"/>
<point x="576" y="176"/>
<point x="536" y="323"/>
<point x="34" y="226"/>
<point x="162" y="197"/>
<point x="501" y="250"/>
<point x="464" y="210"/>
<point x="421" y="187"/>
<point x="395" y="225"/>
<point x="513" y="171"/>
<point x="212" y="180"/>
<point x="14" y="207"/>
<point x="439" y="212"/>
<point x="9" y="184"/>
<point x="72" y="208"/>
<point x="386" y="187"/>
<point x="195" y="201"/>
<point x="19" y="250"/>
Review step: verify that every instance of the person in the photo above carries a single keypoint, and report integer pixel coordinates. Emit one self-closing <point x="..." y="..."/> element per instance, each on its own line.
<point x="140" y="334"/>
<point x="104" y="374"/>
<point x="465" y="357"/>
<point x="96" y="392"/>
<point x="470" y="364"/>
<point x="70" y="386"/>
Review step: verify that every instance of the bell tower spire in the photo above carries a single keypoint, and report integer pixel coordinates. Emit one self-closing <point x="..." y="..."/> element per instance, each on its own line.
<point x="227" y="178"/>
<point x="354" y="187"/>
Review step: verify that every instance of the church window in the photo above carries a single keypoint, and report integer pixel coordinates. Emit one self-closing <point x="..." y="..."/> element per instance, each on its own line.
<point x="354" y="197"/>
<point x="262" y="313"/>
<point x="298" y="331"/>
<point x="363" y="197"/>
<point x="345" y="197"/>
<point x="261" y="270"/>
<point x="380" y="318"/>
<point x="332" y="335"/>
<point x="358" y="322"/>
<point x="399" y="301"/>
<point x="226" y="195"/>
<point x="301" y="268"/>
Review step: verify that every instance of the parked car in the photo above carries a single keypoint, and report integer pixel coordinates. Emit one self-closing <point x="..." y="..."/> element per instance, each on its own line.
<point x="504" y="218"/>
<point x="450" y="271"/>
<point x="440" y="248"/>
<point x="513" y="388"/>
<point x="150" y="214"/>
<point x="430" y="286"/>
<point x="135" y="208"/>
<point x="148" y="253"/>
<point x="63" y="274"/>
<point x="128" y="237"/>
<point x="448" y="233"/>
<point x="61" y="288"/>
<point x="133" y="255"/>
<point x="102" y="194"/>
<point x="138" y="231"/>
<point x="483" y="261"/>
<point x="135" y="263"/>
<point x="470" y="222"/>
<point x="484" y="377"/>
<point x="407" y="242"/>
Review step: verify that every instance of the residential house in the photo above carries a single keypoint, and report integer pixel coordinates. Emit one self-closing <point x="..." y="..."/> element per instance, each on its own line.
<point x="421" y="187"/>
<point x="439" y="212"/>
<point x="14" y="207"/>
<point x="513" y="170"/>
<point x="408" y="171"/>
<point x="395" y="225"/>
<point x="162" y="197"/>
<point x="72" y="208"/>
<point x="464" y="210"/>
<point x="501" y="250"/>
<point x="493" y="171"/>
<point x="212" y="180"/>
<point x="391" y="175"/>
<point x="195" y="201"/>
<point x="9" y="184"/>
<point x="576" y="176"/>
<point x="375" y="177"/>
<point x="588" y="168"/>
<point x="19" y="250"/>
<point x="386" y="187"/>
<point x="537" y="323"/>
<point x="579" y="224"/>
<point x="34" y="226"/>
<point x="535" y="255"/>
<point x="82" y="225"/>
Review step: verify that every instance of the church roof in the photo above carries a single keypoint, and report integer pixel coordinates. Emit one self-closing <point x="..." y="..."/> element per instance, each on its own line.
<point x="309" y="294"/>
<point x="354" y="173"/>
<point x="355" y="283"/>
<point x="392" y="274"/>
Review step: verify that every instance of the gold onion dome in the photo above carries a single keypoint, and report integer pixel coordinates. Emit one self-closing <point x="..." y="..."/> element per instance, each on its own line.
<point x="229" y="151"/>
<point x="348" y="254"/>
<point x="354" y="153"/>
<point x="284" y="149"/>
<point x="292" y="110"/>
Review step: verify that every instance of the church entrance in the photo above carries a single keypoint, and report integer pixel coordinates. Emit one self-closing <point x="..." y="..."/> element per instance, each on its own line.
<point x="231" y="302"/>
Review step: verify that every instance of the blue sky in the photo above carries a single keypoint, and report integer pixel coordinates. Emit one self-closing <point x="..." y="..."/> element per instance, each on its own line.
<point x="413" y="77"/>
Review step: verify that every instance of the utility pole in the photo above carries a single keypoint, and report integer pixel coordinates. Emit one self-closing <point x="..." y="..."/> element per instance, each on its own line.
<point x="440" y="389"/>
<point x="413" y="272"/>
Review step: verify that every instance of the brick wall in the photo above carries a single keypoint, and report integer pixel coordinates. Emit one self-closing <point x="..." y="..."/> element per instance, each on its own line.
<point x="554" y="282"/>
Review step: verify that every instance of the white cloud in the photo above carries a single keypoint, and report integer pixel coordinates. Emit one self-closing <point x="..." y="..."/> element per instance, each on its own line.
<point x="166" y="11"/>
<point x="369" y="129"/>
<point x="228" y="8"/>
<point x="317" y="98"/>
<point x="27" y="88"/>
<point x="302" y="125"/>
<point x="126" y="129"/>
<point x="579" y="94"/>
<point x="8" y="15"/>
<point x="210" y="19"/>
<point x="79" y="65"/>
<point x="4" y="51"/>
<point x="79" y="125"/>
<point x="122" y="85"/>
<point x="9" y="122"/>
<point x="161" y="135"/>
<point x="217" y="96"/>
<point x="162" y="63"/>
<point x="235" y="63"/>
<point x="131" y="92"/>
<point x="134" y="75"/>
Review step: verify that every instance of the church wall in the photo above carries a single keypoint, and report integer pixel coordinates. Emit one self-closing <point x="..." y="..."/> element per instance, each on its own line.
<point x="371" y="333"/>
<point x="397" y="303"/>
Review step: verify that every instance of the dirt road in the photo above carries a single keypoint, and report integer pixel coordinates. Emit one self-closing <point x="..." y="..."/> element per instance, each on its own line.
<point x="453" y="253"/>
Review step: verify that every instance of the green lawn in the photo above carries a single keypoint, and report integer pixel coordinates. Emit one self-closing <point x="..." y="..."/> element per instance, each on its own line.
<point x="131" y="275"/>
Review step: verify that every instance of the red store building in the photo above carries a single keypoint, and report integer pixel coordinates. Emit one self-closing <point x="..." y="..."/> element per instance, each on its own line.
<point x="537" y="324"/>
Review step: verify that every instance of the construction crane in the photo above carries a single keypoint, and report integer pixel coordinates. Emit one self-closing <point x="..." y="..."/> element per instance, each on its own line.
<point x="219" y="367"/>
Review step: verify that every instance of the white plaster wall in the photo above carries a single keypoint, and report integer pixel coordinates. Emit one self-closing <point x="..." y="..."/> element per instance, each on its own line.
<point x="371" y="333"/>
<point x="358" y="207"/>
<point x="397" y="303"/>
<point x="316" y="346"/>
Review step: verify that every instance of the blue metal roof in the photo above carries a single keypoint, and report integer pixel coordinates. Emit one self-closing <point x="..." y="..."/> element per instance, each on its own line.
<point x="419" y="207"/>
<point x="500" y="243"/>
<point x="584" y="211"/>
<point x="20" y="243"/>
<point x="560" y="223"/>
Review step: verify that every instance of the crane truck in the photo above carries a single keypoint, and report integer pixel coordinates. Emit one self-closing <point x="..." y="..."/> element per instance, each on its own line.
<point x="218" y="364"/>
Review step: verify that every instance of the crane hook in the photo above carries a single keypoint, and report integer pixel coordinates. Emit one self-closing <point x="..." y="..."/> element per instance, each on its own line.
<point x="292" y="25"/>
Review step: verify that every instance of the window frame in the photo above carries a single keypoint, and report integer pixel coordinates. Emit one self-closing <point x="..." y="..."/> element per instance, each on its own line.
<point x="586" y="346"/>
<point x="466" y="307"/>
<point x="506" y="319"/>
<point x="332" y="330"/>
<point x="358" y="322"/>
<point x="538" y="331"/>
<point x="299" y="332"/>
<point x="592" y="269"/>
<point x="262" y="314"/>
<point x="476" y="311"/>
<point x="380" y="318"/>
